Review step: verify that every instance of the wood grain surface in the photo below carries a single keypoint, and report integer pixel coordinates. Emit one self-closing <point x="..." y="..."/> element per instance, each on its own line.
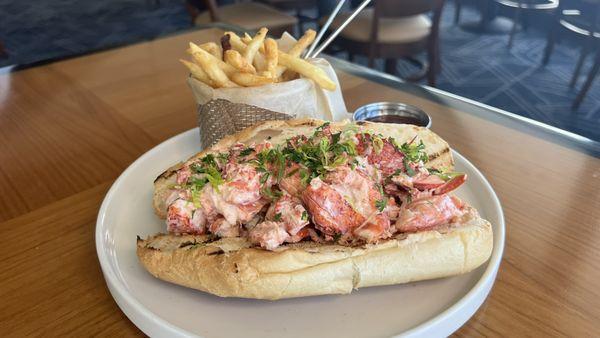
<point x="69" y="128"/>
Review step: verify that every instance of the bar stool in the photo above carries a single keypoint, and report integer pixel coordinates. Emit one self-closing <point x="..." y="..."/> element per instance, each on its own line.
<point x="394" y="29"/>
<point x="526" y="5"/>
<point x="3" y="52"/>
<point x="582" y="22"/>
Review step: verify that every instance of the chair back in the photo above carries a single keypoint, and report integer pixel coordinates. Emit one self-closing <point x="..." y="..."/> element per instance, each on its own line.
<point x="403" y="8"/>
<point x="212" y="9"/>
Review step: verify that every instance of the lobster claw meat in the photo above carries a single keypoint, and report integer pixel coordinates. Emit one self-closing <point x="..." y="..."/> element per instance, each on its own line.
<point x="437" y="185"/>
<point x="451" y="184"/>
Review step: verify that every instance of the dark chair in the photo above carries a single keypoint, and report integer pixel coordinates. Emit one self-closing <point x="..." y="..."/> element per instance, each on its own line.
<point x="519" y="6"/>
<point x="3" y="52"/>
<point x="296" y="6"/>
<point x="581" y="21"/>
<point x="394" y="29"/>
<point x="248" y="15"/>
<point x="588" y="82"/>
<point x="457" y="10"/>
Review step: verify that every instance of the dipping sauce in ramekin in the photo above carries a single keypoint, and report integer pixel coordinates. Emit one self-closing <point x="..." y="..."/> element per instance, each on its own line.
<point x="392" y="112"/>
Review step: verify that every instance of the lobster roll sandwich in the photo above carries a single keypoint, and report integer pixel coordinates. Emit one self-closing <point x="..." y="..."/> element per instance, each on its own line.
<point x="306" y="207"/>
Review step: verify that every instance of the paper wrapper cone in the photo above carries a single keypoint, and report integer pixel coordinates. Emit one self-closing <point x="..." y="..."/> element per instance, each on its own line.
<point x="219" y="118"/>
<point x="297" y="98"/>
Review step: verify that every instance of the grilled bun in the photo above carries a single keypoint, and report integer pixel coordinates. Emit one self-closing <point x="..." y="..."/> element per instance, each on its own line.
<point x="230" y="267"/>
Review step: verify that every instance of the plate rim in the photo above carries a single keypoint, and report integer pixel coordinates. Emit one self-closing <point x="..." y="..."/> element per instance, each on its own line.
<point x="136" y="311"/>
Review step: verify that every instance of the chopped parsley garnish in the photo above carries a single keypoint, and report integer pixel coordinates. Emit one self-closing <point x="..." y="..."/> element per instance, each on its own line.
<point x="381" y="204"/>
<point x="214" y="177"/>
<point x="335" y="138"/>
<point x="277" y="217"/>
<point x="414" y="152"/>
<point x="409" y="170"/>
<point x="377" y="145"/>
<point x="209" y="160"/>
<point x="323" y="126"/>
<point x="304" y="177"/>
<point x="304" y="216"/>
<point x="208" y="167"/>
<point x="291" y="173"/>
<point x="264" y="177"/>
<point x="337" y="237"/>
<point x="246" y="152"/>
<point x="224" y="157"/>
<point x="270" y="193"/>
<point x="195" y="191"/>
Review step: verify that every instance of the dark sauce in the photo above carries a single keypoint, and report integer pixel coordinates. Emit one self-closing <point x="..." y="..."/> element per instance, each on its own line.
<point x="396" y="119"/>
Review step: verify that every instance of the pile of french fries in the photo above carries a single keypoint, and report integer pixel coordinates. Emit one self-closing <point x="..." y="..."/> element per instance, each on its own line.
<point x="252" y="61"/>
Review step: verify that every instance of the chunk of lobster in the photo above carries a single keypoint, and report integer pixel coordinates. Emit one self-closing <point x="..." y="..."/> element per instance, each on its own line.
<point x="330" y="212"/>
<point x="380" y="152"/>
<point x="222" y="228"/>
<point x="290" y="212"/>
<point x="183" y="174"/>
<point x="361" y="192"/>
<point x="429" y="212"/>
<point x="451" y="184"/>
<point x="375" y="228"/>
<point x="424" y="184"/>
<point x="215" y="205"/>
<point x="242" y="184"/>
<point x="300" y="235"/>
<point x="292" y="182"/>
<point x="183" y="217"/>
<point x="268" y="234"/>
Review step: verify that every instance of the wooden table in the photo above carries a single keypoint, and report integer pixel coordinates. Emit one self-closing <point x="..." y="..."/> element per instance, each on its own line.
<point x="69" y="128"/>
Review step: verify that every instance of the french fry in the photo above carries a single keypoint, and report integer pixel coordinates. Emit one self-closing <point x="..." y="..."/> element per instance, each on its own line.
<point x="250" y="80"/>
<point x="240" y="46"/>
<point x="235" y="59"/>
<point x="195" y="50"/>
<point x="303" y="43"/>
<point x="271" y="56"/>
<point x="307" y="70"/>
<point x="254" y="45"/>
<point x="296" y="51"/>
<point x="260" y="63"/>
<point x="236" y="42"/>
<point x="253" y="61"/>
<point x="213" y="49"/>
<point x="211" y="67"/>
<point x="197" y="72"/>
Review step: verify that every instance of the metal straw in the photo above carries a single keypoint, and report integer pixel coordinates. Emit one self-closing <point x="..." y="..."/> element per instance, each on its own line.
<point x="333" y="14"/>
<point x="339" y="30"/>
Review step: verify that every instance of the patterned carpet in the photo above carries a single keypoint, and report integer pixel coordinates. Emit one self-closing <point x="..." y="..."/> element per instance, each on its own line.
<point x="479" y="67"/>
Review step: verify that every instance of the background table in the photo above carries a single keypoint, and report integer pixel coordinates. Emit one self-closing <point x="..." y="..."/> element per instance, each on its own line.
<point x="69" y="128"/>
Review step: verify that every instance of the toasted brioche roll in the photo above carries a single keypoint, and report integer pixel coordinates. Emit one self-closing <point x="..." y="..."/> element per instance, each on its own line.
<point x="229" y="267"/>
<point x="437" y="149"/>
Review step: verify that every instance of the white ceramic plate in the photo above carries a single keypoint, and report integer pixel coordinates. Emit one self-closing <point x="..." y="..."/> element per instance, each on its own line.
<point x="429" y="308"/>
